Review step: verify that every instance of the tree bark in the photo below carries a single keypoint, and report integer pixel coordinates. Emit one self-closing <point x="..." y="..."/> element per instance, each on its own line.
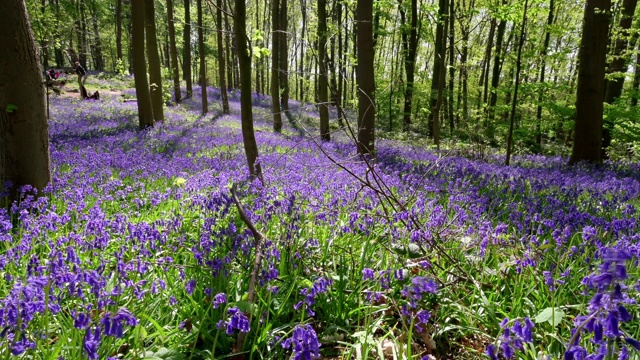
<point x="186" y="51"/>
<point x="591" y="70"/>
<point x="145" y="110"/>
<point x="174" y="52"/>
<point x="246" y="110"/>
<point x="365" y="78"/>
<point x="275" y="64"/>
<point x="452" y="69"/>
<point x="495" y="74"/>
<point x="155" y="76"/>
<point x="221" y="60"/>
<point x="24" y="137"/>
<point x="203" y="63"/>
<point x="323" y="96"/>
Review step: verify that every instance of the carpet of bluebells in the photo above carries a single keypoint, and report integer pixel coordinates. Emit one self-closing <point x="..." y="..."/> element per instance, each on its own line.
<point x="136" y="250"/>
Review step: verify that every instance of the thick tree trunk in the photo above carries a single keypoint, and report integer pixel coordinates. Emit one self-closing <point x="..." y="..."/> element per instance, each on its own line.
<point x="275" y="63"/>
<point x="365" y="78"/>
<point x="587" y="145"/>
<point x="155" y="76"/>
<point x="145" y="110"/>
<point x="98" y="58"/>
<point x="618" y="66"/>
<point x="24" y="137"/>
<point x="186" y="51"/>
<point x="244" y="60"/>
<point x="175" y="67"/>
<point x="221" y="60"/>
<point x="323" y="97"/>
<point x="203" y="63"/>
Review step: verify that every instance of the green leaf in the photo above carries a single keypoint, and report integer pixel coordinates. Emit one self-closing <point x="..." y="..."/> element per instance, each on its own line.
<point x="244" y="306"/>
<point x="551" y="315"/>
<point x="164" y="354"/>
<point x="411" y="250"/>
<point x="11" y="108"/>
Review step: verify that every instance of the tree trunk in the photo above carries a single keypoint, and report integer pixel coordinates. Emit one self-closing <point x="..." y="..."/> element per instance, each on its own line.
<point x="301" y="68"/>
<point x="517" y="84"/>
<point x="119" y="29"/>
<point x="636" y="81"/>
<point x="24" y="136"/>
<point x="452" y="69"/>
<point x="186" y="51"/>
<point x="543" y="56"/>
<point x="592" y="55"/>
<point x="283" y="59"/>
<point x="98" y="58"/>
<point x="145" y="110"/>
<point x="155" y="76"/>
<point x="221" y="60"/>
<point x="438" y="74"/>
<point x="244" y="60"/>
<point x="174" y="52"/>
<point x="365" y="78"/>
<point x="275" y="62"/>
<point x="495" y="74"/>
<point x="618" y="66"/>
<point x="323" y="97"/>
<point x="410" y="47"/>
<point x="486" y="64"/>
<point x="203" y="63"/>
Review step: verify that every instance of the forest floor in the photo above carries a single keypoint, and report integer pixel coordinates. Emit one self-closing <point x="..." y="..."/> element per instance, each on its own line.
<point x="138" y="250"/>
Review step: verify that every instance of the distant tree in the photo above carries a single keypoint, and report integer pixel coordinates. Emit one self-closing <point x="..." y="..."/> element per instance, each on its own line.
<point x="246" y="110"/>
<point x="323" y="95"/>
<point x="186" y="51"/>
<point x="145" y="110"/>
<point x="275" y="66"/>
<point x="591" y="69"/>
<point x="24" y="141"/>
<point x="283" y="59"/>
<point x="119" y="29"/>
<point x="409" y="48"/>
<point x="155" y="75"/>
<point x="365" y="78"/>
<point x="203" y="61"/>
<point x="174" y="52"/>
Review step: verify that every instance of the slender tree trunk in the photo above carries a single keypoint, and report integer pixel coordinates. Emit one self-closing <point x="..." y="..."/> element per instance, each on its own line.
<point x="244" y="59"/>
<point x="24" y="136"/>
<point x="517" y="84"/>
<point x="495" y="75"/>
<point x="119" y="29"/>
<point x="98" y="57"/>
<point x="452" y="69"/>
<point x="323" y="97"/>
<point x="275" y="62"/>
<point x="543" y="56"/>
<point x="174" y="52"/>
<point x="283" y="59"/>
<point x="410" y="47"/>
<point x="636" y="81"/>
<point x="438" y="72"/>
<point x="618" y="66"/>
<point x="301" y="69"/>
<point x="484" y="77"/>
<point x="592" y="55"/>
<point x="186" y="52"/>
<point x="155" y="76"/>
<point x="203" y="63"/>
<point x="145" y="110"/>
<point x="221" y="62"/>
<point x="365" y="78"/>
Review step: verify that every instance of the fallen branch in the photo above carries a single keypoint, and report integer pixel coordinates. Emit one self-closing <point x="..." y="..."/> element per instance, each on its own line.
<point x="256" y="263"/>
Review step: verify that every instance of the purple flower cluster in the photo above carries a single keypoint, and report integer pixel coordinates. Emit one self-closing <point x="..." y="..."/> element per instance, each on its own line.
<point x="513" y="338"/>
<point x="303" y="342"/>
<point x="320" y="286"/>
<point x="607" y="311"/>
